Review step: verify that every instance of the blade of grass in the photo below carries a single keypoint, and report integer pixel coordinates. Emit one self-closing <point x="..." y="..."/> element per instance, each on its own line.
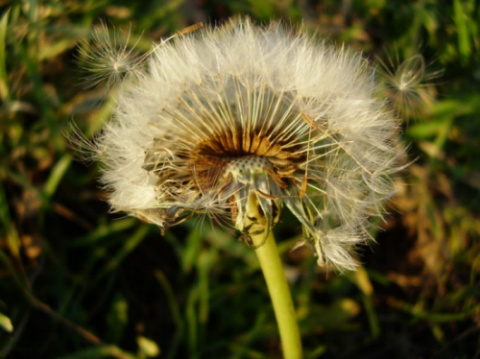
<point x="104" y="351"/>
<point x="4" y="91"/>
<point x="460" y="18"/>
<point x="128" y="246"/>
<point x="175" y="312"/>
<point x="56" y="175"/>
<point x="192" y="322"/>
<point x="205" y="262"/>
<point x="362" y="281"/>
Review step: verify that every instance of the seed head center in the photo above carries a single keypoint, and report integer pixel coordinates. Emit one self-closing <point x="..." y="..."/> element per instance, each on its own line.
<point x="247" y="165"/>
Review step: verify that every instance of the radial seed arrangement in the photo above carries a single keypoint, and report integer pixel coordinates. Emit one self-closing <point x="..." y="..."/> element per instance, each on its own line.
<point x="220" y="118"/>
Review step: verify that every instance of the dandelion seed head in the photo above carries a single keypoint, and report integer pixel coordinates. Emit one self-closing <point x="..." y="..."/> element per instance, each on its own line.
<point x="227" y="114"/>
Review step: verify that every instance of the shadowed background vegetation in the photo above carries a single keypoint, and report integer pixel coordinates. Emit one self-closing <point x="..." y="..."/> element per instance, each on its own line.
<point x="78" y="282"/>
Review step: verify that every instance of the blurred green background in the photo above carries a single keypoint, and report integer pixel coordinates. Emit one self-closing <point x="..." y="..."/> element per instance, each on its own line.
<point x="78" y="282"/>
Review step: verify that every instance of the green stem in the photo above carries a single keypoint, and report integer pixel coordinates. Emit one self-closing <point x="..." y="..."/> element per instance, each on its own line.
<point x="272" y="268"/>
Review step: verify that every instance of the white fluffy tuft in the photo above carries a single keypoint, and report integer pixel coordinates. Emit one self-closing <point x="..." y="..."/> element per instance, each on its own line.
<point x="200" y="84"/>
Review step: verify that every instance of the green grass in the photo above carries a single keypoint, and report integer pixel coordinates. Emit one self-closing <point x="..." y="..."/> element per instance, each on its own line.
<point x="78" y="282"/>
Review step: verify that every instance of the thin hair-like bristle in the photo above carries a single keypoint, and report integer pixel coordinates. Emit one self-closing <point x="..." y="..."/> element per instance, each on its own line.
<point x="84" y="149"/>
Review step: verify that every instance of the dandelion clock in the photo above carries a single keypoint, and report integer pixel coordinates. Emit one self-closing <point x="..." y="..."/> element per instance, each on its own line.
<point x="241" y="123"/>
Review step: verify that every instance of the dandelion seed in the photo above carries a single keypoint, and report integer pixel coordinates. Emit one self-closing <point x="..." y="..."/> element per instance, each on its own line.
<point x="108" y="57"/>
<point x="226" y="116"/>
<point x="407" y="83"/>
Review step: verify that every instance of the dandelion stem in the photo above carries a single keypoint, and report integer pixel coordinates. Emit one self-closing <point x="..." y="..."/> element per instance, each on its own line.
<point x="272" y="268"/>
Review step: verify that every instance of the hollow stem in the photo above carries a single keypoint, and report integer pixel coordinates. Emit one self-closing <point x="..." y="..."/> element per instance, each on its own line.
<point x="272" y="268"/>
